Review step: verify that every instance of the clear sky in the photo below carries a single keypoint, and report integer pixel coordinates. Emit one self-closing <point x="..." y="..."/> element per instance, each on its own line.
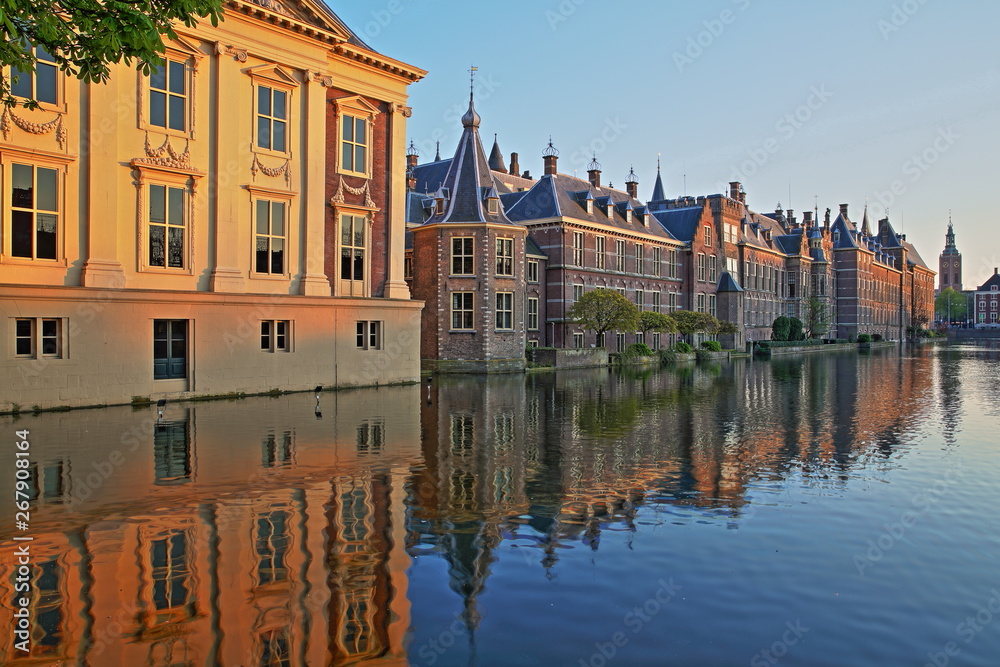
<point x="893" y="102"/>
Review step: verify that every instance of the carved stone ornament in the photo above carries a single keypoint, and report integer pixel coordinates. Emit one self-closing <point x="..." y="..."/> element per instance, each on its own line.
<point x="403" y="109"/>
<point x="273" y="172"/>
<point x="338" y="198"/>
<point x="54" y="125"/>
<point x="166" y="155"/>
<point x="273" y="5"/>
<point x="239" y="55"/>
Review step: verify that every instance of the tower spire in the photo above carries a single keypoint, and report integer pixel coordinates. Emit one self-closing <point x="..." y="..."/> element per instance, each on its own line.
<point x="658" y="194"/>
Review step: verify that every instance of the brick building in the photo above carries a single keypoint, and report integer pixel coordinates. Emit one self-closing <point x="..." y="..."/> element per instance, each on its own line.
<point x="987" y="300"/>
<point x="950" y="263"/>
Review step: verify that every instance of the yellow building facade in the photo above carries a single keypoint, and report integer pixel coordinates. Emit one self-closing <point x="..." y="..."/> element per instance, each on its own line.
<point x="232" y="222"/>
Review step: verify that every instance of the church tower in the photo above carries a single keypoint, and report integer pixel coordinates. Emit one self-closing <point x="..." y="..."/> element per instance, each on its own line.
<point x="950" y="263"/>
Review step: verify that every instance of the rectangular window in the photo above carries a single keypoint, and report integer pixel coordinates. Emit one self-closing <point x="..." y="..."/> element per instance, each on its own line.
<point x="711" y="304"/>
<point x="672" y="301"/>
<point x="270" y="246"/>
<point x="656" y="341"/>
<point x="505" y="257"/>
<point x="166" y="226"/>
<point x="169" y="349"/>
<point x="620" y="342"/>
<point x="408" y="266"/>
<point x="713" y="268"/>
<point x="672" y="263"/>
<point x="578" y="340"/>
<point x="577" y="248"/>
<point x="708" y="235"/>
<point x="41" y="84"/>
<point x="24" y="338"/>
<point x="461" y="256"/>
<point x="168" y="93"/>
<point x="577" y="293"/>
<point x="639" y="259"/>
<point x="368" y="335"/>
<point x="601" y="249"/>
<point x="701" y="267"/>
<point x="657" y="259"/>
<point x="620" y="251"/>
<point x="461" y="311"/>
<point x="272" y="118"/>
<point x="34" y="212"/>
<point x="354" y="144"/>
<point x="35" y="338"/>
<point x="656" y="301"/>
<point x="701" y="302"/>
<point x="532" y="270"/>
<point x="532" y="314"/>
<point x="352" y="247"/>
<point x="505" y="310"/>
<point x="640" y="299"/>
<point x="274" y="335"/>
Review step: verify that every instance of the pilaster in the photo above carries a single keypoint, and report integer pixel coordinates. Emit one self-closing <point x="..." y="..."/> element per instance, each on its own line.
<point x="395" y="285"/>
<point x="314" y="281"/>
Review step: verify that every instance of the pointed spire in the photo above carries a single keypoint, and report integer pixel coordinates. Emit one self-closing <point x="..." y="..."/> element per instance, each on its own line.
<point x="437" y="154"/>
<point x="496" y="157"/>
<point x="866" y="229"/>
<point x="658" y="194"/>
<point x="471" y="118"/>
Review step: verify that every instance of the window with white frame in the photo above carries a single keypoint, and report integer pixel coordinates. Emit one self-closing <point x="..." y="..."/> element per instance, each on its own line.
<point x="672" y="263"/>
<point x="354" y="144"/>
<point x="38" y="337"/>
<point x="505" y="257"/>
<point x="672" y="301"/>
<point x="640" y="299"/>
<point x="505" y="311"/>
<point x="600" y="251"/>
<point x="40" y="84"/>
<point x="168" y="95"/>
<point x="269" y="240"/>
<point x="353" y="247"/>
<point x="578" y="248"/>
<point x="167" y="225"/>
<point x="701" y="302"/>
<point x="708" y="235"/>
<point x="620" y="255"/>
<point x="34" y="211"/>
<point x="532" y="271"/>
<point x="368" y="335"/>
<point x="532" y="314"/>
<point x="712" y="305"/>
<point x="713" y="268"/>
<point x="272" y="118"/>
<point x="462" y="311"/>
<point x="656" y="301"/>
<point x="577" y="293"/>
<point x="462" y="263"/>
<point x="578" y="340"/>
<point x="640" y="250"/>
<point x="275" y="335"/>
<point x="657" y="259"/>
<point x="701" y="267"/>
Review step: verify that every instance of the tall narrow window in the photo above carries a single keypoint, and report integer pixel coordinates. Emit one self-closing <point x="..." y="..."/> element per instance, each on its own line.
<point x="24" y="337"/>
<point x="657" y="258"/>
<point x="505" y="310"/>
<point x="169" y="349"/>
<point x="461" y="311"/>
<point x="620" y="252"/>
<point x="577" y="293"/>
<point x="713" y="268"/>
<point x="708" y="235"/>
<point x="272" y="118"/>
<point x="270" y="247"/>
<point x="505" y="257"/>
<point x="166" y="227"/>
<point x="532" y="314"/>
<point x="462" y="263"/>
<point x="640" y="299"/>
<point x="168" y="93"/>
<point x="170" y="571"/>
<point x="672" y="263"/>
<point x="354" y="144"/>
<point x="640" y="267"/>
<point x="578" y="248"/>
<point x="352" y="247"/>
<point x="532" y="271"/>
<point x="656" y="301"/>
<point x="600" y="259"/>
<point x="34" y="212"/>
<point x="701" y="267"/>
<point x="41" y="84"/>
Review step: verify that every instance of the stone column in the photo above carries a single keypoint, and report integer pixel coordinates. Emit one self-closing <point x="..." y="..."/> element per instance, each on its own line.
<point x="314" y="281"/>
<point x="395" y="285"/>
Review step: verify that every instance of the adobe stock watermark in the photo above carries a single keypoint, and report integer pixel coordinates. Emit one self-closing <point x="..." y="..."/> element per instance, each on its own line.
<point x="900" y="16"/>
<point x="562" y="12"/>
<point x="701" y="42"/>
<point x="967" y="631"/>
<point x="635" y="620"/>
<point x="612" y="131"/>
<point x="779" y="649"/>
<point x="785" y="127"/>
<point x="382" y="18"/>
<point x="893" y="532"/>
<point x="914" y="169"/>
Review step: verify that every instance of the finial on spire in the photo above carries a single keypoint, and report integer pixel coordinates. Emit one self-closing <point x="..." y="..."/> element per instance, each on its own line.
<point x="594" y="164"/>
<point x="412" y="150"/>
<point x="657" y="163"/>
<point x="437" y="154"/>
<point x="471" y="118"/>
<point x="631" y="178"/>
<point x="551" y="150"/>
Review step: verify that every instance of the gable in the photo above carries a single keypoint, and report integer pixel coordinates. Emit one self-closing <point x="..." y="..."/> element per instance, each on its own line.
<point x="311" y="12"/>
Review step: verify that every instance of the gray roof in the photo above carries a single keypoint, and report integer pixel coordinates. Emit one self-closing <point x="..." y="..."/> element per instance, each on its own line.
<point x="532" y="248"/>
<point x="658" y="187"/>
<point x="496" y="157"/>
<point x="727" y="283"/>
<point x="680" y="223"/>
<point x="993" y="280"/>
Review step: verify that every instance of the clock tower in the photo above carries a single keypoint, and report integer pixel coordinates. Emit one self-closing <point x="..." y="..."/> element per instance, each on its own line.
<point x="950" y="263"/>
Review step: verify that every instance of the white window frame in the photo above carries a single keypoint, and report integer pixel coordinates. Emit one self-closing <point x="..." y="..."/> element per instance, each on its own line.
<point x="532" y="313"/>
<point x="504" y="313"/>
<point x="466" y="255"/>
<point x="276" y="336"/>
<point x="357" y="108"/>
<point x="368" y="334"/>
<point x="504" y="256"/>
<point x="466" y="310"/>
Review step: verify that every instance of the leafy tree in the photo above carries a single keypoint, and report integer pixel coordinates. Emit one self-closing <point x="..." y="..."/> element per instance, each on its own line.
<point x="780" y="328"/>
<point x="689" y="322"/>
<point x="951" y="305"/>
<point x="603" y="310"/>
<point x="726" y="329"/>
<point x="795" y="329"/>
<point x="84" y="37"/>
<point x="817" y="320"/>
<point x="656" y="322"/>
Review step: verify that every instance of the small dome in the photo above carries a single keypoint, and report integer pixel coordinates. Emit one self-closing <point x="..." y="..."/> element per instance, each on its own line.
<point x="471" y="118"/>
<point x="551" y="151"/>
<point x="631" y="178"/>
<point x="594" y="164"/>
<point x="412" y="150"/>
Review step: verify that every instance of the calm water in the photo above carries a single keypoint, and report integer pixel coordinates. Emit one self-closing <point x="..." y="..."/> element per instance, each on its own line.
<point x="833" y="510"/>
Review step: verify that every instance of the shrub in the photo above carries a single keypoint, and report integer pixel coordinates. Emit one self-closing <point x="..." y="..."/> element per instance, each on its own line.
<point x="864" y="338"/>
<point x="703" y="355"/>
<point x="780" y="328"/>
<point x="712" y="345"/>
<point x="682" y="347"/>
<point x="876" y="338"/>
<point x="795" y="329"/>
<point x="638" y="350"/>
<point x="667" y="357"/>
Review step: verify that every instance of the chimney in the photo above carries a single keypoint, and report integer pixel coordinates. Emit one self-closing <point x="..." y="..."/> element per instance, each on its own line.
<point x="995" y="270"/>
<point x="526" y="174"/>
<point x="734" y="190"/>
<point x="594" y="172"/>
<point x="807" y="218"/>
<point x="791" y="218"/>
<point x="843" y="210"/>
<point x="632" y="184"/>
<point x="550" y="156"/>
<point x="515" y="167"/>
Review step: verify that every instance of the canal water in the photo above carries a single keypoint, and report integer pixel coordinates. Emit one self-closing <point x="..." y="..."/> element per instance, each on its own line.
<point x="837" y="509"/>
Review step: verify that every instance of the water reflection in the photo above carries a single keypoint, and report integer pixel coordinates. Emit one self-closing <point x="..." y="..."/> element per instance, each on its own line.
<point x="251" y="533"/>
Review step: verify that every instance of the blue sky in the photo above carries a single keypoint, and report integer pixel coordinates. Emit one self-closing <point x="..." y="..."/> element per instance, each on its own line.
<point x="893" y="102"/>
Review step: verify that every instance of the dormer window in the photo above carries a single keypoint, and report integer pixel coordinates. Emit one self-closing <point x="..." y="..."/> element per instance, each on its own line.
<point x="492" y="205"/>
<point x="439" y="206"/>
<point x="589" y="205"/>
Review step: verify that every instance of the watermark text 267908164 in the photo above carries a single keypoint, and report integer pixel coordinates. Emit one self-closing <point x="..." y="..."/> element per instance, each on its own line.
<point x="22" y="553"/>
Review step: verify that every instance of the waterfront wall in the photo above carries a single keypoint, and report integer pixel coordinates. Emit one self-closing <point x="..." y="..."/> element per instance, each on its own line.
<point x="570" y="358"/>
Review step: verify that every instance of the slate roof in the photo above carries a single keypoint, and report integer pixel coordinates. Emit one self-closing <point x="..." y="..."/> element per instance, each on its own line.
<point x="994" y="280"/>
<point x="532" y="248"/>
<point x="680" y="223"/>
<point x="658" y="187"/>
<point x="496" y="157"/>
<point x="913" y="257"/>
<point x="728" y="284"/>
<point x="430" y="176"/>
<point x="847" y="230"/>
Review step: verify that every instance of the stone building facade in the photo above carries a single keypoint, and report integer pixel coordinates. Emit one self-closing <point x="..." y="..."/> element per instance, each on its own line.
<point x="987" y="303"/>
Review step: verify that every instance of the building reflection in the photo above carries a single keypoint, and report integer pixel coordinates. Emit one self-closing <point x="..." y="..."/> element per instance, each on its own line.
<point x="251" y="533"/>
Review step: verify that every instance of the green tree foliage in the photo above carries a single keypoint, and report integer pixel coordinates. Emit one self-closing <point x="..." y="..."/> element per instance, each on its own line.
<point x="726" y="328"/>
<point x="712" y="346"/>
<point x="84" y="37"/>
<point x="656" y="322"/>
<point x="817" y="320"/>
<point x="780" y="328"/>
<point x="689" y="322"/>
<point x="795" y="329"/>
<point x="951" y="305"/>
<point x="604" y="310"/>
